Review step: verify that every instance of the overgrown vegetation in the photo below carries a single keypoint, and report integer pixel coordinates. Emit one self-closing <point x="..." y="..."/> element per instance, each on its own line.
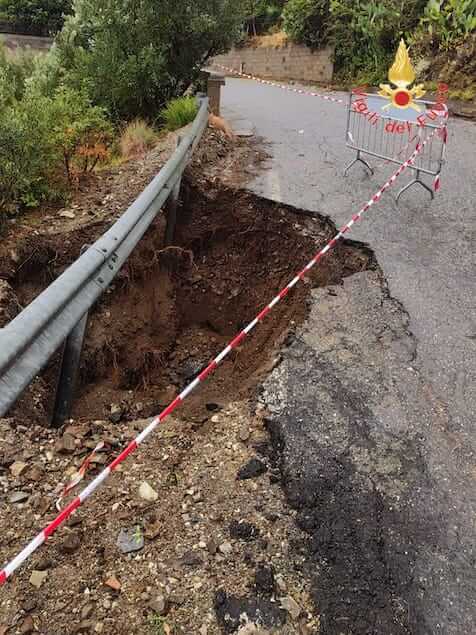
<point x="365" y="33"/>
<point x="35" y="17"/>
<point x="137" y="138"/>
<point x="179" y="112"/>
<point x="113" y="63"/>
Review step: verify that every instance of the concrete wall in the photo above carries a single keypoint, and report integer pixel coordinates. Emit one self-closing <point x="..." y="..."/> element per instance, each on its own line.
<point x="15" y="43"/>
<point x="288" y="61"/>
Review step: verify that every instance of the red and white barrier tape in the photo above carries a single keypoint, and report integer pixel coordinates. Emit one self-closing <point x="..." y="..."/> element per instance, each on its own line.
<point x="287" y="87"/>
<point x="93" y="486"/>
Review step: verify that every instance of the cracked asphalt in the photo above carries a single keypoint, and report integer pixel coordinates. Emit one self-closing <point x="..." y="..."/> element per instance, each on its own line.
<point x="373" y="407"/>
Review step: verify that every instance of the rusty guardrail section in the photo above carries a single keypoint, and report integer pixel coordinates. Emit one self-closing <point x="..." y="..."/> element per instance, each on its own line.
<point x="59" y="314"/>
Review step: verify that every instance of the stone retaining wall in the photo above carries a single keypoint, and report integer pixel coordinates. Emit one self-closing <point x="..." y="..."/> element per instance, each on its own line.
<point x="289" y="61"/>
<point x="15" y="43"/>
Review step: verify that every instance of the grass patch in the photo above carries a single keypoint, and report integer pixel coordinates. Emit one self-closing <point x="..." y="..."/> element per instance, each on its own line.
<point x="179" y="112"/>
<point x="136" y="139"/>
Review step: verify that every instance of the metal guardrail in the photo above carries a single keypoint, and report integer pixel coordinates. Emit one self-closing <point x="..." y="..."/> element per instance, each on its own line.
<point x="60" y="312"/>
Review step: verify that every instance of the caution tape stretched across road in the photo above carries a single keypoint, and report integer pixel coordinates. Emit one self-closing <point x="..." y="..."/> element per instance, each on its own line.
<point x="291" y="89"/>
<point x="94" y="485"/>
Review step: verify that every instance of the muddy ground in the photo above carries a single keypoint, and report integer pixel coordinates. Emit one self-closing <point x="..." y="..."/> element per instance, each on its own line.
<point x="220" y="544"/>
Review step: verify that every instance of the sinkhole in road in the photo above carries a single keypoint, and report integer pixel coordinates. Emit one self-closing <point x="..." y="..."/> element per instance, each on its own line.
<point x="172" y="310"/>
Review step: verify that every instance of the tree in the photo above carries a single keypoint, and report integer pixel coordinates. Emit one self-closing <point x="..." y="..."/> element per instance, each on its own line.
<point x="307" y="21"/>
<point x="39" y="17"/>
<point x="135" y="55"/>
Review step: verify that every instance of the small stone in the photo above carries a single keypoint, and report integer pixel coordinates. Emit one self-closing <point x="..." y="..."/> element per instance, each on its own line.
<point x="44" y="564"/>
<point x="147" y="493"/>
<point x="116" y="413"/>
<point x="226" y="548"/>
<point x="99" y="627"/>
<point x="191" y="559"/>
<point x="212" y="407"/>
<point x="113" y="583"/>
<point x="203" y="630"/>
<point x="130" y="540"/>
<point x="29" y="605"/>
<point x="18" y="497"/>
<point x="212" y="547"/>
<point x="281" y="584"/>
<point x="37" y="578"/>
<point x="215" y="419"/>
<point x="159" y="605"/>
<point x="85" y="626"/>
<point x="68" y="443"/>
<point x="67" y="214"/>
<point x="291" y="606"/>
<point x="253" y="468"/>
<point x="35" y="473"/>
<point x="87" y="611"/>
<point x="71" y="543"/>
<point x="244" y="433"/>
<point x="17" y="468"/>
<point x="243" y="530"/>
<point x="27" y="625"/>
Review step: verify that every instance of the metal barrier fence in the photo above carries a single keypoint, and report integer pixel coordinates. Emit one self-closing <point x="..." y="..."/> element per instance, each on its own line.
<point x="59" y="314"/>
<point x="376" y="129"/>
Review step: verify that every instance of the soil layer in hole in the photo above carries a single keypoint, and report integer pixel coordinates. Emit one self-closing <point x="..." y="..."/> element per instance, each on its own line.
<point x="172" y="310"/>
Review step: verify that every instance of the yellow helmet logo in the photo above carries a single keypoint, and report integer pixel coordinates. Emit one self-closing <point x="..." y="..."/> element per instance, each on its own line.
<point x="402" y="75"/>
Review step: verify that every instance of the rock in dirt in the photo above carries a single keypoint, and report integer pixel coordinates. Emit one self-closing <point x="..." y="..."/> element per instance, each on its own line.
<point x="242" y="530"/>
<point x="116" y="413"/>
<point x="191" y="559"/>
<point x="71" y="543"/>
<point x="232" y="612"/>
<point x="113" y="583"/>
<point x="264" y="580"/>
<point x="147" y="492"/>
<point x="67" y="444"/>
<point x="67" y="214"/>
<point x="18" y="497"/>
<point x="226" y="549"/>
<point x="159" y="605"/>
<point x="130" y="540"/>
<point x="291" y="606"/>
<point x="87" y="611"/>
<point x="244" y="433"/>
<point x="253" y="468"/>
<point x="37" y="578"/>
<point x="28" y="625"/>
<point x="35" y="473"/>
<point x="17" y="468"/>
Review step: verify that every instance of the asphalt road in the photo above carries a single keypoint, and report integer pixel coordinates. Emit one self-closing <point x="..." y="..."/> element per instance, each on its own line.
<point x="374" y="405"/>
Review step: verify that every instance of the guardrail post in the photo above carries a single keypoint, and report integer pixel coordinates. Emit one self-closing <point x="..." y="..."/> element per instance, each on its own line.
<point x="215" y="82"/>
<point x="172" y="205"/>
<point x="70" y="362"/>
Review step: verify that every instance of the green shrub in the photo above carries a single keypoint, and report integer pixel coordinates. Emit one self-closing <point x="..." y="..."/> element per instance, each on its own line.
<point x="449" y="21"/>
<point x="80" y="133"/>
<point x="137" y="138"/>
<point x="134" y="57"/>
<point x="179" y="112"/>
<point x="38" y="17"/>
<point x="366" y="35"/>
<point x="27" y="160"/>
<point x="46" y="143"/>
<point x="307" y="21"/>
<point x="14" y="73"/>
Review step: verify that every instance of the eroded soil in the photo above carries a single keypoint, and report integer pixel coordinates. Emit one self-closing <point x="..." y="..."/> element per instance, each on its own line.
<point x="168" y="312"/>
